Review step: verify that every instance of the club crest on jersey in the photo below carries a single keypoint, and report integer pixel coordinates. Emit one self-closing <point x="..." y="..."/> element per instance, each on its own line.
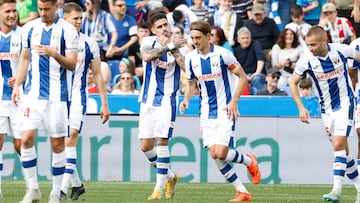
<point x="55" y="36"/>
<point x="215" y="64"/>
<point x="15" y="43"/>
<point x="80" y="49"/>
<point x="335" y="60"/>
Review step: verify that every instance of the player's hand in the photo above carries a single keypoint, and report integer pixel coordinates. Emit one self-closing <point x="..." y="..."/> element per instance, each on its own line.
<point x="104" y="114"/>
<point x="355" y="13"/>
<point x="46" y="51"/>
<point x="179" y="42"/>
<point x="183" y="105"/>
<point x="15" y="96"/>
<point x="11" y="81"/>
<point x="163" y="40"/>
<point x="232" y="110"/>
<point x="304" y="115"/>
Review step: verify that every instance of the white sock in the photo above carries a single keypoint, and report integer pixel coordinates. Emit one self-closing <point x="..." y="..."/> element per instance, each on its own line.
<point x="235" y="156"/>
<point x="58" y="168"/>
<point x="151" y="156"/>
<point x="229" y="173"/>
<point x="28" y="160"/>
<point x="75" y="180"/>
<point x="162" y="166"/>
<point x="1" y="169"/>
<point x="339" y="168"/>
<point x="69" y="168"/>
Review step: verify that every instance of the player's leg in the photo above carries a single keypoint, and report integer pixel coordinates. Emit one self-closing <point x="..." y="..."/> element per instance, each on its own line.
<point x="31" y="122"/>
<point x="55" y="119"/>
<point x="2" y="137"/>
<point x="76" y="122"/>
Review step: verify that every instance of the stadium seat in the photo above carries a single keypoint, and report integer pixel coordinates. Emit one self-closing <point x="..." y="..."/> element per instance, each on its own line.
<point x="135" y="78"/>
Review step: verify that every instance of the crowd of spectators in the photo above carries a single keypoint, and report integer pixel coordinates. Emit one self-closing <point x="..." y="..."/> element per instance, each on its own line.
<point x="262" y="34"/>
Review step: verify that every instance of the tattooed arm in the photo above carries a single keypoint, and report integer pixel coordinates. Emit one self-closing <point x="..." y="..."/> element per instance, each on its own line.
<point x="149" y="54"/>
<point x="180" y="59"/>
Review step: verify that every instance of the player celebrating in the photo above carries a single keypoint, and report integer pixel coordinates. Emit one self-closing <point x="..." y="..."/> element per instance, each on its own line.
<point x="162" y="62"/>
<point x="10" y="40"/>
<point x="328" y="68"/>
<point x="88" y="57"/>
<point x="217" y="71"/>
<point x="51" y="45"/>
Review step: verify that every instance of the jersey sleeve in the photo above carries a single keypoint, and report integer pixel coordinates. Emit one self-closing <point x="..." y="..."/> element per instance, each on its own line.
<point x="71" y="38"/>
<point x="94" y="48"/>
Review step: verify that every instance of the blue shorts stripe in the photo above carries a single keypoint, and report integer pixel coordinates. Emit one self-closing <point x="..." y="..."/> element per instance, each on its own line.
<point x="58" y="171"/>
<point x="29" y="164"/>
<point x="339" y="172"/>
<point x="1" y="167"/>
<point x="163" y="160"/>
<point x="71" y="161"/>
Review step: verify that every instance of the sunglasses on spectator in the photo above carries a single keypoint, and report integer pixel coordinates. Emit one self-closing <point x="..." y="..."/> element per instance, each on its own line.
<point x="120" y="5"/>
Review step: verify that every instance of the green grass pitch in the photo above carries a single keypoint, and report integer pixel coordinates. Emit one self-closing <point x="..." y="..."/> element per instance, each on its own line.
<point x="128" y="192"/>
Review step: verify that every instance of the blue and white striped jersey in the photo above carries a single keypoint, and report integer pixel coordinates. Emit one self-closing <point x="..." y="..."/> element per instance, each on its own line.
<point x="330" y="76"/>
<point x="215" y="79"/>
<point x="47" y="80"/>
<point x="10" y="47"/>
<point x="88" y="51"/>
<point x="161" y="76"/>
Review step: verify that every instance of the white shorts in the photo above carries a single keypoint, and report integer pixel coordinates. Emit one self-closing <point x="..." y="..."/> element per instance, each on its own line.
<point x="51" y="116"/>
<point x="340" y="122"/>
<point x="357" y="114"/>
<point x="156" y="121"/>
<point x="217" y="131"/>
<point x="10" y="119"/>
<point x="77" y="116"/>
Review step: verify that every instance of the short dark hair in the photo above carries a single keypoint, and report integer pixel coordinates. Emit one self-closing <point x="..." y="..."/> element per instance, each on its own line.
<point x="53" y="2"/>
<point x="305" y="83"/>
<point x="144" y="25"/>
<point x="177" y="16"/>
<point x="71" y="6"/>
<point x="156" y="17"/>
<point x="296" y="11"/>
<point x="201" y="26"/>
<point x="6" y="1"/>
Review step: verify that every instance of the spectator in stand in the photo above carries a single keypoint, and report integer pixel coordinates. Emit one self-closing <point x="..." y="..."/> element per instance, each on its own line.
<point x="217" y="37"/>
<point x="125" y="85"/>
<point x="182" y="16"/>
<point x="92" y="89"/>
<point x="243" y="8"/>
<point x="134" y="50"/>
<point x="298" y="24"/>
<point x="339" y="28"/>
<point x="27" y="10"/>
<point x="349" y="9"/>
<point x="305" y="87"/>
<point x="272" y="79"/>
<point x="171" y="4"/>
<point x="285" y="53"/>
<point x="228" y="20"/>
<point x="311" y="9"/>
<point x="264" y="30"/>
<point x="201" y="10"/>
<point x="135" y="8"/>
<point x="251" y="56"/>
<point x="97" y="24"/>
<point x="126" y="29"/>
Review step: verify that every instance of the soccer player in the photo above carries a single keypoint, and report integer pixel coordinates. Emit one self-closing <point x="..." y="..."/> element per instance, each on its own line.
<point x="221" y="80"/>
<point x="162" y="62"/>
<point x="328" y="68"/>
<point x="88" y="57"/>
<point x="10" y="41"/>
<point x="50" y="44"/>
